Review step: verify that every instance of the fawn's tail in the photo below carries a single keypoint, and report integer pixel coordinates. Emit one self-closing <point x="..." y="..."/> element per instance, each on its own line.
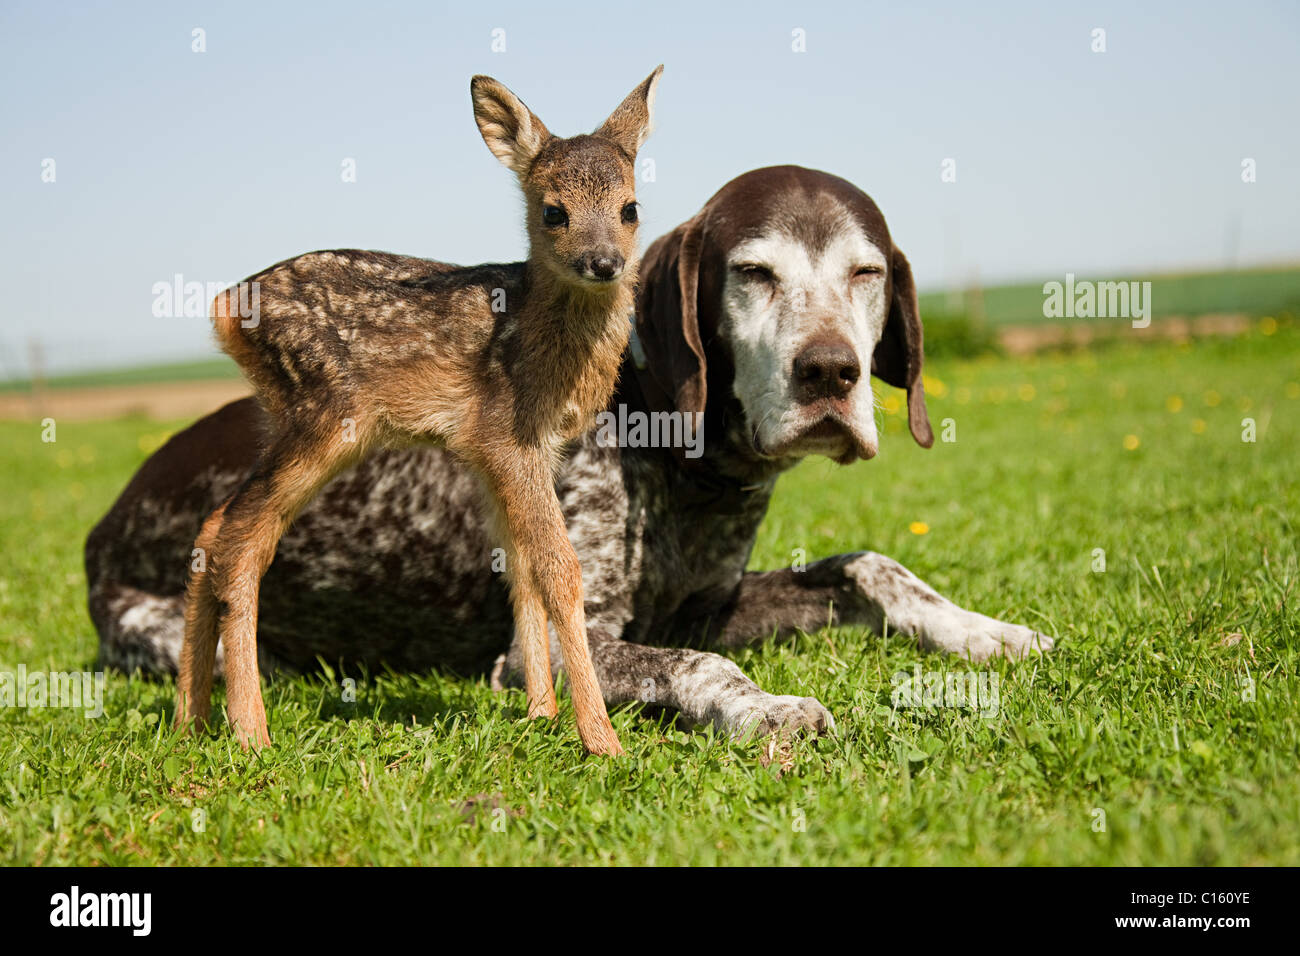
<point x="232" y="312"/>
<point x="236" y="317"/>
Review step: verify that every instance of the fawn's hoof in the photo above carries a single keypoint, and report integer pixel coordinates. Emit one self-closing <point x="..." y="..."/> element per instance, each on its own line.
<point x="602" y="742"/>
<point x="193" y="726"/>
<point x="189" y="722"/>
<point x="253" y="740"/>
<point x="541" y="702"/>
<point x="250" y="729"/>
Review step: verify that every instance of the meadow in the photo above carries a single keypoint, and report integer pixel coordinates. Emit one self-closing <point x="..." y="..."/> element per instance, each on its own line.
<point x="1259" y="291"/>
<point x="1138" y="502"/>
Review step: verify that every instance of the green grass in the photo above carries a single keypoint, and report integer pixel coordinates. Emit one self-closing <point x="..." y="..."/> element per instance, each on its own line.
<point x="199" y="370"/>
<point x="1260" y="291"/>
<point x="1142" y="713"/>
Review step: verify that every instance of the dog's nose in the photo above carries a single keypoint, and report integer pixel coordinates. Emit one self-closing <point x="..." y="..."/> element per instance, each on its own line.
<point x="825" y="370"/>
<point x="605" y="266"/>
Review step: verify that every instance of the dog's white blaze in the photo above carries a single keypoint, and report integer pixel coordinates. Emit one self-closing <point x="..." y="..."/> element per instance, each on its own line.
<point x="813" y="296"/>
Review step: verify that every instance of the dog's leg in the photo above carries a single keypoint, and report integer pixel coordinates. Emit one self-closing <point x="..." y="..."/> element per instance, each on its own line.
<point x="865" y="589"/>
<point x="240" y="551"/>
<point x="523" y="486"/>
<point x="138" y="630"/>
<point x="199" y="650"/>
<point x="703" y="688"/>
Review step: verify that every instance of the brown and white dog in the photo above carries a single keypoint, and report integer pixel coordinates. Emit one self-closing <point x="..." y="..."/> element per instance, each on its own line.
<point x="763" y="315"/>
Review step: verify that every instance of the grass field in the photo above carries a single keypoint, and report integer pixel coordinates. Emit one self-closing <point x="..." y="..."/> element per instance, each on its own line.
<point x="197" y="370"/>
<point x="1163" y="730"/>
<point x="1259" y="291"/>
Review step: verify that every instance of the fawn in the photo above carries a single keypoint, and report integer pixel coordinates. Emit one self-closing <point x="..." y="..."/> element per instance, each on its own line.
<point x="502" y="364"/>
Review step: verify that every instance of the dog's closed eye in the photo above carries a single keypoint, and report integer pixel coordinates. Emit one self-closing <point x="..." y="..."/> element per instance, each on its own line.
<point x="868" y="272"/>
<point x="755" y="271"/>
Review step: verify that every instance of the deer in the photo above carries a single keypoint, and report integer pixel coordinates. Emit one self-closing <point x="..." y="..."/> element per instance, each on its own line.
<point x="502" y="364"/>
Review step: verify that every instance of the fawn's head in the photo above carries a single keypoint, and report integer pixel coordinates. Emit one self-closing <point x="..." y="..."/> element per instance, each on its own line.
<point x="580" y="191"/>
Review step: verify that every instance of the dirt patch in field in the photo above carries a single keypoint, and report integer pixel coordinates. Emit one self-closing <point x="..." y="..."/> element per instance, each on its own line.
<point x="157" y="401"/>
<point x="171" y="400"/>
<point x="1027" y="339"/>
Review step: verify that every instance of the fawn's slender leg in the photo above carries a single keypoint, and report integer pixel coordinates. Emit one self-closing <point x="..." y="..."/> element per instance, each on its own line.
<point x="250" y="534"/>
<point x="560" y="593"/>
<point x="199" y="651"/>
<point x="529" y="615"/>
<point x="530" y="620"/>
<point x="290" y="473"/>
<point x="538" y="535"/>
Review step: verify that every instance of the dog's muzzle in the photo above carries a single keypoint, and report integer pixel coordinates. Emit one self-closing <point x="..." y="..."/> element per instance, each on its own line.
<point x="825" y="369"/>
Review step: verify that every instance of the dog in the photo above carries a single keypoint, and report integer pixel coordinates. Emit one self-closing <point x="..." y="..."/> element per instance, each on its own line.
<point x="763" y="314"/>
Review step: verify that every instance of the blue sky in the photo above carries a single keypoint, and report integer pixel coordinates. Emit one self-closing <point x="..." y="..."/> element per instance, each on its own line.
<point x="216" y="164"/>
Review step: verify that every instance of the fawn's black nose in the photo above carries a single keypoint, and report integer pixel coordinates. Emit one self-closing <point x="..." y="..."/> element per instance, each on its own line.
<point x="825" y="370"/>
<point x="603" y="266"/>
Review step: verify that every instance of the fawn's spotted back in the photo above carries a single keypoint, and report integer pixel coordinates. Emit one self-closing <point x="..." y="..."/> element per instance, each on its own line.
<point x="501" y="363"/>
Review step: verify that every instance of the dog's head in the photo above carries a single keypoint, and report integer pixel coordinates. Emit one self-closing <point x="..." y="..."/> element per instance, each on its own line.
<point x="788" y="277"/>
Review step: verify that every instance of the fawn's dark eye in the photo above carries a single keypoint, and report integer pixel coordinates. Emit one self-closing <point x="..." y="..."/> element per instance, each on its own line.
<point x="629" y="213"/>
<point x="554" y="216"/>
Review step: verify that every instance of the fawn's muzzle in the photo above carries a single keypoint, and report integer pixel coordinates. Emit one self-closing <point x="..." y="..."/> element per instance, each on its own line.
<point x="601" y="266"/>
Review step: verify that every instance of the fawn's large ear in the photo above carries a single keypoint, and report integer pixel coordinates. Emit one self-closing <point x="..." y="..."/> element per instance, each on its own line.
<point x="900" y="352"/>
<point x="631" y="123"/>
<point x="671" y="362"/>
<point x="511" y="130"/>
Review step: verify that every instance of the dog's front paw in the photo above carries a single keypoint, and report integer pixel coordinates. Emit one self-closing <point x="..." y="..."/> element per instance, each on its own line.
<point x="770" y="714"/>
<point x="977" y="637"/>
<point x="993" y="638"/>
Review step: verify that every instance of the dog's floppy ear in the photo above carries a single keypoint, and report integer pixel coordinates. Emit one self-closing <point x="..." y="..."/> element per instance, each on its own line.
<point x="671" y="362"/>
<point x="900" y="353"/>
